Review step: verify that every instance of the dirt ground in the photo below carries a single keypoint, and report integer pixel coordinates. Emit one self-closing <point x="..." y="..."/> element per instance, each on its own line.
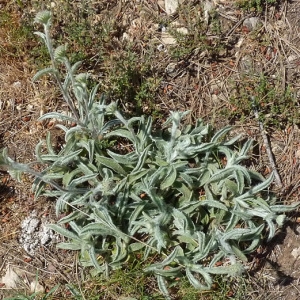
<point x="198" y="82"/>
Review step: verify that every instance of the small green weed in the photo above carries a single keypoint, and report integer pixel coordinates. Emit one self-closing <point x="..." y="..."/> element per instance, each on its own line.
<point x="16" y="35"/>
<point x="277" y="108"/>
<point x="130" y="81"/>
<point x="201" y="34"/>
<point x="256" y="5"/>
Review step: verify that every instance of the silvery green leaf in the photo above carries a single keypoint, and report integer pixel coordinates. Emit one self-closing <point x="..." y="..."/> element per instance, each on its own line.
<point x="103" y="217"/>
<point x="75" y="227"/>
<point x="202" y="271"/>
<point x="94" y="260"/>
<point x="89" y="146"/>
<point x="168" y="272"/>
<point x="204" y="177"/>
<point x="126" y="159"/>
<point x="150" y="191"/>
<point x="158" y="235"/>
<point x="195" y="282"/>
<point x="57" y="116"/>
<point x="15" y="174"/>
<point x="46" y="158"/>
<point x="284" y="208"/>
<point x="110" y="163"/>
<point x="169" y="179"/>
<point x="280" y="220"/>
<point x="201" y="240"/>
<point x="258" y="188"/>
<point x="238" y="252"/>
<point x="220" y="134"/>
<point x="167" y="261"/>
<point x="70" y="246"/>
<point x="43" y="17"/>
<point x="112" y="108"/>
<point x="66" y="159"/>
<point x="81" y="200"/>
<point x="62" y="127"/>
<point x="108" y="126"/>
<point x="200" y="128"/>
<point x="41" y="35"/>
<point x="232" y="187"/>
<point x="187" y="194"/>
<point x="228" y="153"/>
<point x="221" y="175"/>
<point x="232" y="141"/>
<point x="141" y="159"/>
<point x="190" y="206"/>
<point x="254" y="244"/>
<point x="133" y="177"/>
<point x="196" y="150"/>
<point x="82" y="78"/>
<point x="162" y="286"/>
<point x="49" y="144"/>
<point x="213" y="203"/>
<point x="255" y="175"/>
<point x="136" y="213"/>
<point x="65" y="232"/>
<point x="260" y="203"/>
<point x="181" y="221"/>
<point x="86" y="167"/>
<point x="43" y="72"/>
<point x="120" y="251"/>
<point x="217" y="257"/>
<point x="60" y="53"/>
<point x="38" y="187"/>
<point x="121" y="132"/>
<point x="239" y="177"/>
<point x="75" y="67"/>
<point x="187" y="179"/>
<point x="271" y="228"/>
<point x="134" y="247"/>
<point x="246" y="148"/>
<point x="98" y="229"/>
<point x="62" y="203"/>
<point x="234" y="219"/>
<point x="82" y="179"/>
<point x="69" y="76"/>
<point x="243" y="234"/>
<point x="203" y="250"/>
<point x="52" y="176"/>
<point x="53" y="193"/>
<point x="235" y="269"/>
<point x="243" y="172"/>
<point x="70" y="217"/>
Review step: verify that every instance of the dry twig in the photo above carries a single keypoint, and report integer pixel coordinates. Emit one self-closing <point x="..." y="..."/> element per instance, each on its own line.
<point x="267" y="145"/>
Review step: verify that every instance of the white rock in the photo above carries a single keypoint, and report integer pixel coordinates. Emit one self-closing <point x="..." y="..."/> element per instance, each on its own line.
<point x="36" y="287"/>
<point x="171" y="6"/>
<point x="10" y="279"/>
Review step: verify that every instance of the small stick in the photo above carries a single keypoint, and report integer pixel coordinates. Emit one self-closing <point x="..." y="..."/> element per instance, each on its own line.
<point x="267" y="145"/>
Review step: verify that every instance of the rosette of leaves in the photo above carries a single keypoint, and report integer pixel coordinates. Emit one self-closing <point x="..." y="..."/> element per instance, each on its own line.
<point x="181" y="193"/>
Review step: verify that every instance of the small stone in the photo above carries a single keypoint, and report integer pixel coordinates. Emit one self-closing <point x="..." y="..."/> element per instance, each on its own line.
<point x="251" y="23"/>
<point x="296" y="252"/>
<point x="171" y="6"/>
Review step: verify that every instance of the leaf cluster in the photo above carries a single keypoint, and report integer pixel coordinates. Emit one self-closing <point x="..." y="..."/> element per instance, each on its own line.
<point x="181" y="193"/>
